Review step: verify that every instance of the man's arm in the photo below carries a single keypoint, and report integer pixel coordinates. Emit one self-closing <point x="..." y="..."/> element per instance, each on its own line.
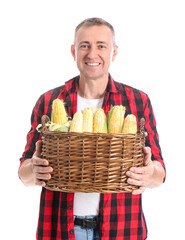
<point x="151" y="175"/>
<point x="35" y="171"/>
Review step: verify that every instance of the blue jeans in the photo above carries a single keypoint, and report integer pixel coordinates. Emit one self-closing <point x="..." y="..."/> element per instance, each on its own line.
<point x="86" y="234"/>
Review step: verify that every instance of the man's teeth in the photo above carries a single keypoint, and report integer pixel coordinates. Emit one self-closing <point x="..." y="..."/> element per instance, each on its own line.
<point x="92" y="64"/>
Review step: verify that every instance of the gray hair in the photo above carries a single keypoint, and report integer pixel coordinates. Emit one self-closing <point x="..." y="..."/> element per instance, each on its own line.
<point x="95" y="22"/>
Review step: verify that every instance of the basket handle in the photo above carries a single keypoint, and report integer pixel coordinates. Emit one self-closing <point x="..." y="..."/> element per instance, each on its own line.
<point x="142" y="126"/>
<point x="44" y="120"/>
<point x="142" y="130"/>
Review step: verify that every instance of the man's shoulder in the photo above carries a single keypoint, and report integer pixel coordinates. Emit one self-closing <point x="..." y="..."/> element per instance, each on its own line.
<point x="61" y="90"/>
<point x="124" y="88"/>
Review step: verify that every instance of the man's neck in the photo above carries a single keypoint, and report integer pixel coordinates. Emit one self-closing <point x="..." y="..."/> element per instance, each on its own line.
<point x="92" y="89"/>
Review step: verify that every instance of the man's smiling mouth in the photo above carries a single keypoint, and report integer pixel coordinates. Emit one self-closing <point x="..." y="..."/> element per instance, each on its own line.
<point x="92" y="64"/>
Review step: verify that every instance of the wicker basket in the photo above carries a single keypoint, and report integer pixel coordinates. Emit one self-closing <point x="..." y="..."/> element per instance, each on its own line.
<point x="92" y="162"/>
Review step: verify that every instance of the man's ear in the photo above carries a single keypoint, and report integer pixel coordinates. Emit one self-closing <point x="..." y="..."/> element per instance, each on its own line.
<point x="73" y="51"/>
<point x="115" y="51"/>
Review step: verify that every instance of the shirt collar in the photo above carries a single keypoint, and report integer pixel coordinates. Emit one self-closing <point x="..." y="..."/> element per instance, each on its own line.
<point x="111" y="86"/>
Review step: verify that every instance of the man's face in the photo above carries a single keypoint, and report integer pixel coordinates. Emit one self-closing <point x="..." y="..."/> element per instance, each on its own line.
<point x="93" y="51"/>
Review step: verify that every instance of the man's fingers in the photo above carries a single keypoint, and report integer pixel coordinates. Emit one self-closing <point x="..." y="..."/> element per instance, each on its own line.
<point x="134" y="175"/>
<point x="139" y="191"/>
<point x="39" y="161"/>
<point x="43" y="176"/>
<point x="40" y="183"/>
<point x="40" y="169"/>
<point x="139" y="170"/>
<point x="136" y="182"/>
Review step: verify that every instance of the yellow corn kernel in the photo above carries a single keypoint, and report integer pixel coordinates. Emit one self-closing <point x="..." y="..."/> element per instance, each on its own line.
<point x="88" y="115"/>
<point x="100" y="122"/>
<point x="130" y="124"/>
<point x="76" y="123"/>
<point x="59" y="115"/>
<point x="115" y="119"/>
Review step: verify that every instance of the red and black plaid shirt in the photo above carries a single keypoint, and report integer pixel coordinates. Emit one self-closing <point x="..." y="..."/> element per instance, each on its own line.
<point x="120" y="214"/>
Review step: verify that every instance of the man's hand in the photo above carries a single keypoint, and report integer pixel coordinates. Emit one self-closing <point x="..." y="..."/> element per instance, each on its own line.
<point x="40" y="168"/>
<point x="149" y="176"/>
<point x="35" y="171"/>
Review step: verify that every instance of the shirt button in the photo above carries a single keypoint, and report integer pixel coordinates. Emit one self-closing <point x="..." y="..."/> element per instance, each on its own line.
<point x="70" y="208"/>
<point x="72" y="231"/>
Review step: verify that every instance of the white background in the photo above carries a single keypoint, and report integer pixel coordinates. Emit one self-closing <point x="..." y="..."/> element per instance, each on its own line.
<point x="35" y="39"/>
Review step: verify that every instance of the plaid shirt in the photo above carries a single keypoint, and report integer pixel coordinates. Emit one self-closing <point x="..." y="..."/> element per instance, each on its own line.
<point x="120" y="214"/>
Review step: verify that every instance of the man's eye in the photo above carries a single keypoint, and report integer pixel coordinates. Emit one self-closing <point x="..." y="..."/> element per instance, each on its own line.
<point x="101" y="46"/>
<point x="84" y="46"/>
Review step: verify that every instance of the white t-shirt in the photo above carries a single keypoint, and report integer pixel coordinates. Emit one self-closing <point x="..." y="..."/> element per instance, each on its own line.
<point x="86" y="204"/>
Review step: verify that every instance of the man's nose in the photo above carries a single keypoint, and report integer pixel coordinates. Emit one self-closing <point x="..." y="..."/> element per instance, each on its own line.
<point x="92" y="53"/>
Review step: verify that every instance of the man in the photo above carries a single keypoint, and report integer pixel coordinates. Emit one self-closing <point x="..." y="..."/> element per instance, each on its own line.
<point x="107" y="216"/>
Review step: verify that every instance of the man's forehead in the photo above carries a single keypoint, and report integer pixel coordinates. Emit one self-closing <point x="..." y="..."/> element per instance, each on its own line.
<point x="97" y="42"/>
<point x="97" y="33"/>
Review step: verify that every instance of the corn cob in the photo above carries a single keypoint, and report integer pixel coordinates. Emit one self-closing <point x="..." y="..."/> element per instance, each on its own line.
<point x="115" y="119"/>
<point x="88" y="114"/>
<point x="130" y="124"/>
<point x="76" y="123"/>
<point x="59" y="115"/>
<point x="100" y="122"/>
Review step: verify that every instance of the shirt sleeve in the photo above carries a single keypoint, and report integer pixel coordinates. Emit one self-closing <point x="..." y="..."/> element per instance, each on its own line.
<point x="33" y="135"/>
<point x="152" y="139"/>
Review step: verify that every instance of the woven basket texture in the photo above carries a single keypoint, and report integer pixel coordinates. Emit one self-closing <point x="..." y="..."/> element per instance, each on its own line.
<point x="92" y="162"/>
